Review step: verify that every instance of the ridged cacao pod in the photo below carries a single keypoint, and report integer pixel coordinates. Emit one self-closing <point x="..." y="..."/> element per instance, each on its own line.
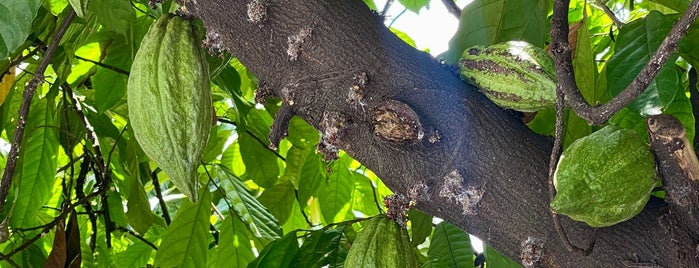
<point x="514" y="75"/>
<point x="169" y="99"/>
<point x="382" y="243"/>
<point x="604" y="178"/>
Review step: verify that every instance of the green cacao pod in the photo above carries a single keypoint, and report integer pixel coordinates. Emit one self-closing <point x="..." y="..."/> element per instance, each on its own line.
<point x="604" y="178"/>
<point x="169" y="98"/>
<point x="382" y="243"/>
<point x="514" y="75"/>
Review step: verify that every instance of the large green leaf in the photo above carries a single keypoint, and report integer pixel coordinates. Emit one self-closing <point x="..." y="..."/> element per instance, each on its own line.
<point x="302" y="135"/>
<point x="115" y="15"/>
<point x="279" y="253"/>
<point x="335" y="194"/>
<point x="186" y="242"/>
<point x="487" y="22"/>
<point x="36" y="169"/>
<point x="420" y="226"/>
<point x="259" y="221"/>
<point x="135" y="255"/>
<point x="234" y="249"/>
<point x="636" y="43"/>
<point x="16" y="18"/>
<point x="110" y="85"/>
<point x="451" y="246"/>
<point x="139" y="214"/>
<point x="312" y="175"/>
<point x="320" y="248"/>
<point x="260" y="163"/>
<point x="584" y="65"/>
<point x="295" y="160"/>
<point x="279" y="200"/>
<point x="493" y="258"/>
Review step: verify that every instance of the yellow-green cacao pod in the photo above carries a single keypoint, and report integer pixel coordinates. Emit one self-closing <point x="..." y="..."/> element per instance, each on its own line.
<point x="382" y="243"/>
<point x="514" y="75"/>
<point x="604" y="178"/>
<point x="169" y="98"/>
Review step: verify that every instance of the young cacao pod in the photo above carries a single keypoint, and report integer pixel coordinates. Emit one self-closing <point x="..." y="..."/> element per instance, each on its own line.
<point x="604" y="178"/>
<point x="382" y="243"/>
<point x="514" y="75"/>
<point x="169" y="99"/>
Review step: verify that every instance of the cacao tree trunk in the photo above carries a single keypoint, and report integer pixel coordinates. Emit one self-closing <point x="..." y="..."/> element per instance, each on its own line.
<point x="427" y="134"/>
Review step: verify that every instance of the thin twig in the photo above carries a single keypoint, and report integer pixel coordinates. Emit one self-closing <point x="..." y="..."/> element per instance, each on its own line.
<point x="308" y="220"/>
<point x="386" y="7"/>
<point x="159" y="195"/>
<point x="228" y="121"/>
<point x="553" y="161"/>
<point x="25" y="57"/>
<point x="23" y="112"/>
<point x="106" y="66"/>
<point x="8" y="260"/>
<point x="566" y="77"/>
<point x="47" y="227"/>
<point x="609" y="13"/>
<point x="452" y="8"/>
<point x="137" y="236"/>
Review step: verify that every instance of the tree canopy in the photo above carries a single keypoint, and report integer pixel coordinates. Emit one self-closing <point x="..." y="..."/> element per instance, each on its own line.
<point x="323" y="118"/>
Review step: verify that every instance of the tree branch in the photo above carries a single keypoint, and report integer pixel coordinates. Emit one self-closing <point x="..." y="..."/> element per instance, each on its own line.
<point x="452" y="8"/>
<point x="610" y="14"/>
<point x="23" y="112"/>
<point x="159" y="194"/>
<point x="459" y="156"/>
<point x="565" y="74"/>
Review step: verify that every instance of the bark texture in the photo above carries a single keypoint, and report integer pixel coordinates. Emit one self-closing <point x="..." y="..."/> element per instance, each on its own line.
<point x="427" y="134"/>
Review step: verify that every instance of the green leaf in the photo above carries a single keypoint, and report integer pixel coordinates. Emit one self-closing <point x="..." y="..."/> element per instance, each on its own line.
<point x="584" y="65"/>
<point x="335" y="194"/>
<point x="320" y="248"/>
<point x="279" y="200"/>
<point x="681" y="108"/>
<point x="295" y="160"/>
<point x="259" y="221"/>
<point x="115" y="15"/>
<point x="16" y="17"/>
<point x="312" y="175"/>
<point x="636" y="43"/>
<point x="135" y="255"/>
<point x="56" y="6"/>
<point x="234" y="249"/>
<point x="494" y="258"/>
<point x="72" y="130"/>
<point x="116" y="208"/>
<point x="279" y="253"/>
<point x="217" y="139"/>
<point x="139" y="215"/>
<point x="677" y="5"/>
<point x="302" y="135"/>
<point x="80" y="7"/>
<point x="36" y="169"/>
<point x="109" y="85"/>
<point x="415" y="5"/>
<point x="451" y="245"/>
<point x="420" y="226"/>
<point x="260" y="163"/>
<point x="186" y="241"/>
<point x="487" y="22"/>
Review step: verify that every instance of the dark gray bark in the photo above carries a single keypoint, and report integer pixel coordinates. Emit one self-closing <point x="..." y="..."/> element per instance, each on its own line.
<point x="427" y="134"/>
